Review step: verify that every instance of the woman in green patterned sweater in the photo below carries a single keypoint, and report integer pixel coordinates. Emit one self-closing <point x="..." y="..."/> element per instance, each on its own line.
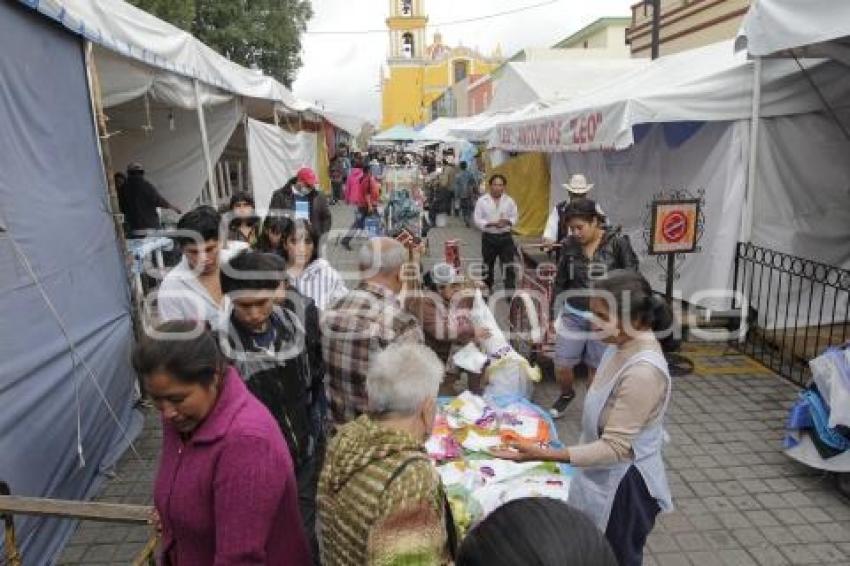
<point x="380" y="498"/>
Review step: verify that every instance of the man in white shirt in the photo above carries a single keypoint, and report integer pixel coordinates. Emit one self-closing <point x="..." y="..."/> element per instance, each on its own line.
<point x="496" y="215"/>
<point x="192" y="289"/>
<point x="577" y="188"/>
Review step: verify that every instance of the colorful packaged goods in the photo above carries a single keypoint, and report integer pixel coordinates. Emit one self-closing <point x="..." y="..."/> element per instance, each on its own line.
<point x="466" y="428"/>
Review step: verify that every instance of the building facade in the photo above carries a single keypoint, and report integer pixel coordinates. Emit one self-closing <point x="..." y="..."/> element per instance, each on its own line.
<point x="480" y="94"/>
<point x="605" y="37"/>
<point x="685" y="24"/>
<point x="417" y="74"/>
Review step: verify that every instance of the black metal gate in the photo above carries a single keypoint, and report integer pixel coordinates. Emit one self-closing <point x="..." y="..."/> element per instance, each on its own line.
<point x="795" y="308"/>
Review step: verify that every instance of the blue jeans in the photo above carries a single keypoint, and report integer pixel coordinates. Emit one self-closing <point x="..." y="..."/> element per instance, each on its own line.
<point x="358" y="225"/>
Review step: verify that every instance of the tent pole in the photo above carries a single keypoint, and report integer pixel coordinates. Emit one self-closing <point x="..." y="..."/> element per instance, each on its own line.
<point x="103" y="143"/>
<point x="96" y="98"/>
<point x="752" y="166"/>
<point x="205" y="145"/>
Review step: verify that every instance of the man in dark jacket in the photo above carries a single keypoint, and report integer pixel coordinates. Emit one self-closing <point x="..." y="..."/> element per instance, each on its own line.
<point x="302" y="193"/>
<point x="272" y="348"/>
<point x="139" y="200"/>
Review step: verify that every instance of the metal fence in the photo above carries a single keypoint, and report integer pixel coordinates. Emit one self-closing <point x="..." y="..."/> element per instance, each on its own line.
<point x="794" y="308"/>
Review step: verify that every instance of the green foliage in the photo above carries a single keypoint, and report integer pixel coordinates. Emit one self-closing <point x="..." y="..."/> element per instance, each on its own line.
<point x="265" y="34"/>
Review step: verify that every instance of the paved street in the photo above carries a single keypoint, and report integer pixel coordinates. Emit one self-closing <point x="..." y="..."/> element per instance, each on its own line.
<point x="739" y="500"/>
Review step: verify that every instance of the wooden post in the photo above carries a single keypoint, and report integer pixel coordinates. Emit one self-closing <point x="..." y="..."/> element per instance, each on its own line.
<point x="103" y="143"/>
<point x="10" y="545"/>
<point x="106" y="512"/>
<point x="205" y="144"/>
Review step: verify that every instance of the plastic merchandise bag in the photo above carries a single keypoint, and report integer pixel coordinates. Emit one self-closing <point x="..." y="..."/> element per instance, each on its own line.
<point x="831" y="374"/>
<point x="508" y="372"/>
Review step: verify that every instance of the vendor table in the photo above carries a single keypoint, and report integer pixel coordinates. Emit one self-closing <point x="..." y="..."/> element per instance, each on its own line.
<point x="466" y="428"/>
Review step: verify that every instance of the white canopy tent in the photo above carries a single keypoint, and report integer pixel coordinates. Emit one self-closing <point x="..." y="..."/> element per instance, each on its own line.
<point x="812" y="28"/>
<point x="165" y="91"/>
<point x="396" y="134"/>
<point x="701" y="103"/>
<point x="133" y="33"/>
<point x="522" y="83"/>
<point x="707" y="84"/>
<point x="276" y="156"/>
<point x="439" y="130"/>
<point x="522" y="88"/>
<point x="353" y="125"/>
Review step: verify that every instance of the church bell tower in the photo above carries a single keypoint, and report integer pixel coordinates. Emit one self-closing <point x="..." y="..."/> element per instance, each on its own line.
<point x="407" y="24"/>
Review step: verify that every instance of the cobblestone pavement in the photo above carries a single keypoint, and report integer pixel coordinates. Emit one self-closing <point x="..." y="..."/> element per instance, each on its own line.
<point x="739" y="500"/>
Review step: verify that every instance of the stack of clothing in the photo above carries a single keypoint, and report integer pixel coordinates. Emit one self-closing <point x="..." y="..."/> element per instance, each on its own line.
<point x="819" y="423"/>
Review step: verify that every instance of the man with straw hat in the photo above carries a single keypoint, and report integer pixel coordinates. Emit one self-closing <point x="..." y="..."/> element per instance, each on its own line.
<point x="577" y="188"/>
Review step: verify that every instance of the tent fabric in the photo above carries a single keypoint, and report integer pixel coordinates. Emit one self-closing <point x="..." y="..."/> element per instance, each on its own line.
<point x="800" y="209"/>
<point x="123" y="80"/>
<point x="710" y="84"/>
<point x="713" y="160"/>
<point x="353" y="125"/>
<point x="477" y="128"/>
<point x="776" y="25"/>
<point x="528" y="185"/>
<point x="521" y="83"/>
<point x="522" y="89"/>
<point x="397" y="134"/>
<point x="275" y="156"/>
<point x="173" y="159"/>
<point x="54" y="207"/>
<point x="438" y="130"/>
<point x="136" y="34"/>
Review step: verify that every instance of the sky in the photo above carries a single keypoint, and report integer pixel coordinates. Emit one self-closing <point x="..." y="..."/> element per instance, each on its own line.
<point x="342" y="71"/>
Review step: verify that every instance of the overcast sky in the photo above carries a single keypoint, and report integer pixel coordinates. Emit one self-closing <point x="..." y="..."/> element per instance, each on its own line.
<point x="342" y="71"/>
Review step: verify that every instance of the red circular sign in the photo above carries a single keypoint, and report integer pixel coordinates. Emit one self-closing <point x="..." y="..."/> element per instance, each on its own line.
<point x="675" y="226"/>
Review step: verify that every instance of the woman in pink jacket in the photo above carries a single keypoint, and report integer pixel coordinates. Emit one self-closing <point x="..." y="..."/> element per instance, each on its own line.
<point x="225" y="492"/>
<point x="363" y="192"/>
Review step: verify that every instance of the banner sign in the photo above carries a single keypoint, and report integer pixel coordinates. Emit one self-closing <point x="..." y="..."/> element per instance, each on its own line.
<point x="674" y="226"/>
<point x="590" y="130"/>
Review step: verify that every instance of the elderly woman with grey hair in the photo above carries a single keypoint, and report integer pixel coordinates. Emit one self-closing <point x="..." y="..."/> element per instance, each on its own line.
<point x="380" y="499"/>
<point x="362" y="323"/>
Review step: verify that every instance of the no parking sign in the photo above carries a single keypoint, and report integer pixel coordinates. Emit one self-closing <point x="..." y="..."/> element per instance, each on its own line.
<point x="674" y="226"/>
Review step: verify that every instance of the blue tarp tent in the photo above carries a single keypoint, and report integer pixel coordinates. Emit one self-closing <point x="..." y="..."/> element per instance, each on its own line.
<point x="66" y="386"/>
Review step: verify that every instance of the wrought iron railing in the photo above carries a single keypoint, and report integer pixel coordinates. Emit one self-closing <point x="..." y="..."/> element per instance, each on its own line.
<point x="794" y="308"/>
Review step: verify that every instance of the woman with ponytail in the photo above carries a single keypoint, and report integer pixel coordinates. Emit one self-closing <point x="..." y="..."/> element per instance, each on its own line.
<point x="620" y="479"/>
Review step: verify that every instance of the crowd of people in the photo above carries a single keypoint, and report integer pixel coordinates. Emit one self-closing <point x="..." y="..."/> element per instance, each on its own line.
<point x="295" y="409"/>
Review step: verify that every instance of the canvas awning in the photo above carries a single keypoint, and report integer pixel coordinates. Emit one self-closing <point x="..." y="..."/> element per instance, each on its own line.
<point x="815" y="28"/>
<point x="707" y="84"/>
<point x="398" y="134"/>
<point x="122" y="28"/>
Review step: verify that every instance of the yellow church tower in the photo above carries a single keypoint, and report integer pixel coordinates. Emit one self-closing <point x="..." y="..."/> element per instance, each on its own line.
<point x="419" y="73"/>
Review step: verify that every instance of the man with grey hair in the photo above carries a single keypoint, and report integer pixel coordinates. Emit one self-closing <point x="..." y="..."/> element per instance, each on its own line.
<point x="380" y="499"/>
<point x="362" y="323"/>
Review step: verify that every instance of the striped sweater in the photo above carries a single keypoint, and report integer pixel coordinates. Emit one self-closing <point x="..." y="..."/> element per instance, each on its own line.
<point x="380" y="500"/>
<point x="321" y="282"/>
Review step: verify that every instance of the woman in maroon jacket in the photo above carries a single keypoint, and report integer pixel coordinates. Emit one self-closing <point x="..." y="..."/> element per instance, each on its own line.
<point x="225" y="491"/>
